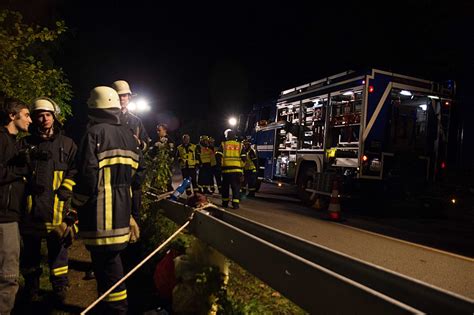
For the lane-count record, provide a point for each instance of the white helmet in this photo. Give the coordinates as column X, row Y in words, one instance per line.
column 122, row 87
column 45, row 104
column 226, row 133
column 103, row 97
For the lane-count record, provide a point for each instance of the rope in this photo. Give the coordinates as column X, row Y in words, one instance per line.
column 138, row 266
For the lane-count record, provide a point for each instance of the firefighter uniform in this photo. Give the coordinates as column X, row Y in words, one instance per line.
column 48, row 199
column 187, row 163
column 204, row 154
column 231, row 158
column 110, row 165
column 250, row 171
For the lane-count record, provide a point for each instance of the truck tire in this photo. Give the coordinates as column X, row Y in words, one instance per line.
column 305, row 180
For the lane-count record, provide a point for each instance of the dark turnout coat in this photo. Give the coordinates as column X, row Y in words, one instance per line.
column 110, row 166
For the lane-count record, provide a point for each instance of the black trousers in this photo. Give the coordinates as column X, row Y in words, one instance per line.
column 232, row 181
column 205, row 180
column 217, row 174
column 31, row 259
column 250, row 180
column 107, row 266
column 190, row 172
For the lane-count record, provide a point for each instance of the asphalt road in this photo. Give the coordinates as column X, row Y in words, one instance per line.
column 375, row 239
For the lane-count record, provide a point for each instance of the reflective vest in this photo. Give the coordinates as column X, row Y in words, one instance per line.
column 232, row 157
column 205, row 154
column 187, row 155
column 250, row 160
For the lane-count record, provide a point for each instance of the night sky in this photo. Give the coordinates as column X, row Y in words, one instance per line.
column 199, row 63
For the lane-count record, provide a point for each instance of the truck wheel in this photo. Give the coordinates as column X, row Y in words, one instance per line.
column 305, row 180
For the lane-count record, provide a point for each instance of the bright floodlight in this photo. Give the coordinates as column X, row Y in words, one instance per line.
column 406, row 93
column 347, row 93
column 132, row 106
column 232, row 121
column 139, row 106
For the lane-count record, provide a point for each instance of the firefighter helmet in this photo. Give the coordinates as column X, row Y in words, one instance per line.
column 203, row 138
column 229, row 134
column 122, row 87
column 103, row 97
column 45, row 104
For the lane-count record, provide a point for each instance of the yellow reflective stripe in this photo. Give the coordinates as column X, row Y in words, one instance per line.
column 107, row 240
column 118, row 160
column 233, row 170
column 29, row 203
column 58, row 205
column 116, row 296
column 59, row 271
column 235, row 200
column 57, row 180
column 108, row 199
column 225, row 199
column 68, row 184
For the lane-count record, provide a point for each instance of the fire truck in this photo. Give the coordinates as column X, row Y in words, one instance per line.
column 364, row 130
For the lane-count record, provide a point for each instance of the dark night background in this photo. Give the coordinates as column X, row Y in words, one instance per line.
column 199, row 63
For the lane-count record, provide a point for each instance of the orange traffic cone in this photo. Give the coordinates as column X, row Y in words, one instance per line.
column 334, row 209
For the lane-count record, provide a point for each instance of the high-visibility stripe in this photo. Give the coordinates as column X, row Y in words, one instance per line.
column 59, row 271
column 58, row 205
column 118, row 160
column 29, row 203
column 235, row 200
column 107, row 240
column 232, row 170
column 68, row 184
column 225, row 199
column 104, row 233
column 116, row 296
column 118, row 152
column 108, row 199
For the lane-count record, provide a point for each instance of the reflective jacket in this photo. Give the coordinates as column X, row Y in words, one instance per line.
column 203, row 154
column 187, row 156
column 250, row 160
column 231, row 157
column 12, row 180
column 110, row 165
column 134, row 123
column 53, row 165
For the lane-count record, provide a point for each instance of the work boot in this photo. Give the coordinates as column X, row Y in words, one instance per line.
column 31, row 289
column 59, row 295
column 225, row 204
column 235, row 205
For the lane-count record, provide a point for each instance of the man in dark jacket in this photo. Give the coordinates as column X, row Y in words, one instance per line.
column 110, row 165
column 15, row 117
column 52, row 162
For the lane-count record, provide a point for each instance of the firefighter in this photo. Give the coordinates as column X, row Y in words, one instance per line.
column 15, row 117
column 110, row 165
column 135, row 125
column 230, row 157
column 52, row 160
column 250, row 169
column 203, row 153
column 216, row 170
column 186, row 154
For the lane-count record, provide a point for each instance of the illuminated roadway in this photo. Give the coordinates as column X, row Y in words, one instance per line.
column 449, row 271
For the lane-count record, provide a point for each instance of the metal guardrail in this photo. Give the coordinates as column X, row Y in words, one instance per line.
column 317, row 278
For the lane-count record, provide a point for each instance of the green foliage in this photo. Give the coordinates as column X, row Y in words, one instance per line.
column 22, row 74
column 159, row 161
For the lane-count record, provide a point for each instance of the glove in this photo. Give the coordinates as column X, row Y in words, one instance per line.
column 63, row 194
column 63, row 234
column 134, row 230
